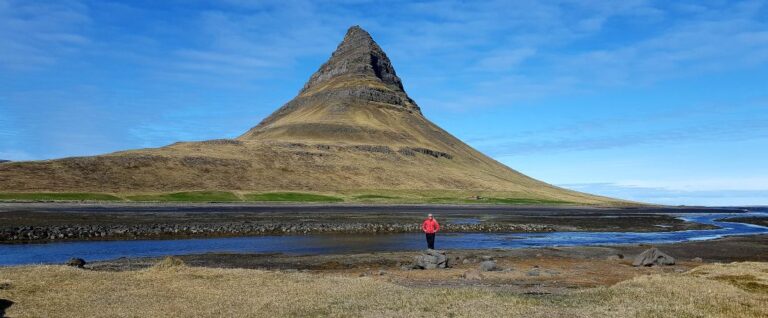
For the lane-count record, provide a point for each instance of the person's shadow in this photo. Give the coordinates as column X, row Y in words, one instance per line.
column 4, row 304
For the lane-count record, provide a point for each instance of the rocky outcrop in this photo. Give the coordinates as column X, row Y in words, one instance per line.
column 653, row 256
column 431, row 259
column 488, row 266
column 358, row 72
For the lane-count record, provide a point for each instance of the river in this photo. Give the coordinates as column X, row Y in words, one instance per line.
column 59, row 252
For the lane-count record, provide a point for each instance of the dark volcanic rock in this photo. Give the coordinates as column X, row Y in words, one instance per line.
column 357, row 54
column 160, row 230
column 76, row 262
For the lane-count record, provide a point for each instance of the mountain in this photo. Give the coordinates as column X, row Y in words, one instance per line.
column 352, row 128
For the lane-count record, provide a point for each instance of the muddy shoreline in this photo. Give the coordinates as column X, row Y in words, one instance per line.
column 535, row 271
column 47, row 222
column 728, row 249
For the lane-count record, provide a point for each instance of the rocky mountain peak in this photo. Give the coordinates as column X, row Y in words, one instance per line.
column 358, row 55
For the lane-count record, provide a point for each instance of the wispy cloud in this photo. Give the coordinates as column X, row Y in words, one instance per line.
column 36, row 33
column 680, row 125
column 575, row 50
column 662, row 195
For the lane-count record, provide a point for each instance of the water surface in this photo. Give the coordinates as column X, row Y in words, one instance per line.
column 59, row 252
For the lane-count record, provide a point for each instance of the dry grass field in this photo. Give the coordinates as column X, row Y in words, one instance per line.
column 174, row 290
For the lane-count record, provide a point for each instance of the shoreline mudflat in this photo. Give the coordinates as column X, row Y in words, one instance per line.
column 523, row 270
column 43, row 222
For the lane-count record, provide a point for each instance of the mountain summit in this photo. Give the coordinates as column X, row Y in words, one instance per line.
column 358, row 75
column 357, row 56
column 351, row 129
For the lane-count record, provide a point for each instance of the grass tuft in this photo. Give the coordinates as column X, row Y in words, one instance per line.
column 169, row 263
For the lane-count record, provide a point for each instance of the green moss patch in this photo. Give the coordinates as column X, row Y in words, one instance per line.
column 192, row 196
column 496, row 201
column 373, row 196
column 291, row 197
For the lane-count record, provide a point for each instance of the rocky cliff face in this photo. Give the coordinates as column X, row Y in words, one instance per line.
column 357, row 55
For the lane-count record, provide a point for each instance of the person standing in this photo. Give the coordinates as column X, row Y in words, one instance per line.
column 430, row 227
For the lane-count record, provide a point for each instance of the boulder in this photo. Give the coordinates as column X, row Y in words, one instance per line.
column 431, row 259
column 653, row 256
column 76, row 262
column 488, row 266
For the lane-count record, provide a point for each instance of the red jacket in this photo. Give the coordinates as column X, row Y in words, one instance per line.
column 430, row 226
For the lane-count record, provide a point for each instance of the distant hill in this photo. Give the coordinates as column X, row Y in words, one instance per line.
column 352, row 127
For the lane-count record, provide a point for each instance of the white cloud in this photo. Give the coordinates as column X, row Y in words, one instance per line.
column 505, row 59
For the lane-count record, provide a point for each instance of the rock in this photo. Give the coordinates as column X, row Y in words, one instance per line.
column 488, row 266
column 487, row 258
column 615, row 258
column 5, row 284
column 698, row 260
column 76, row 262
column 382, row 272
column 533, row 272
column 466, row 261
column 653, row 256
column 431, row 259
column 472, row 275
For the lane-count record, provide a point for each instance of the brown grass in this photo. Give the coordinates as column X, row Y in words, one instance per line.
column 48, row 291
column 319, row 147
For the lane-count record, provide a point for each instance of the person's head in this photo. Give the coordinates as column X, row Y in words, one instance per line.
column 429, row 216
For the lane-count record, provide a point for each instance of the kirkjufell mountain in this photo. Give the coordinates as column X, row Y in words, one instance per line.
column 352, row 127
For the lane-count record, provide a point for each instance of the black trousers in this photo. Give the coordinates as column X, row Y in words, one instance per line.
column 431, row 240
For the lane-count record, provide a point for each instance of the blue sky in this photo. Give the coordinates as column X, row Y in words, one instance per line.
column 657, row 101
